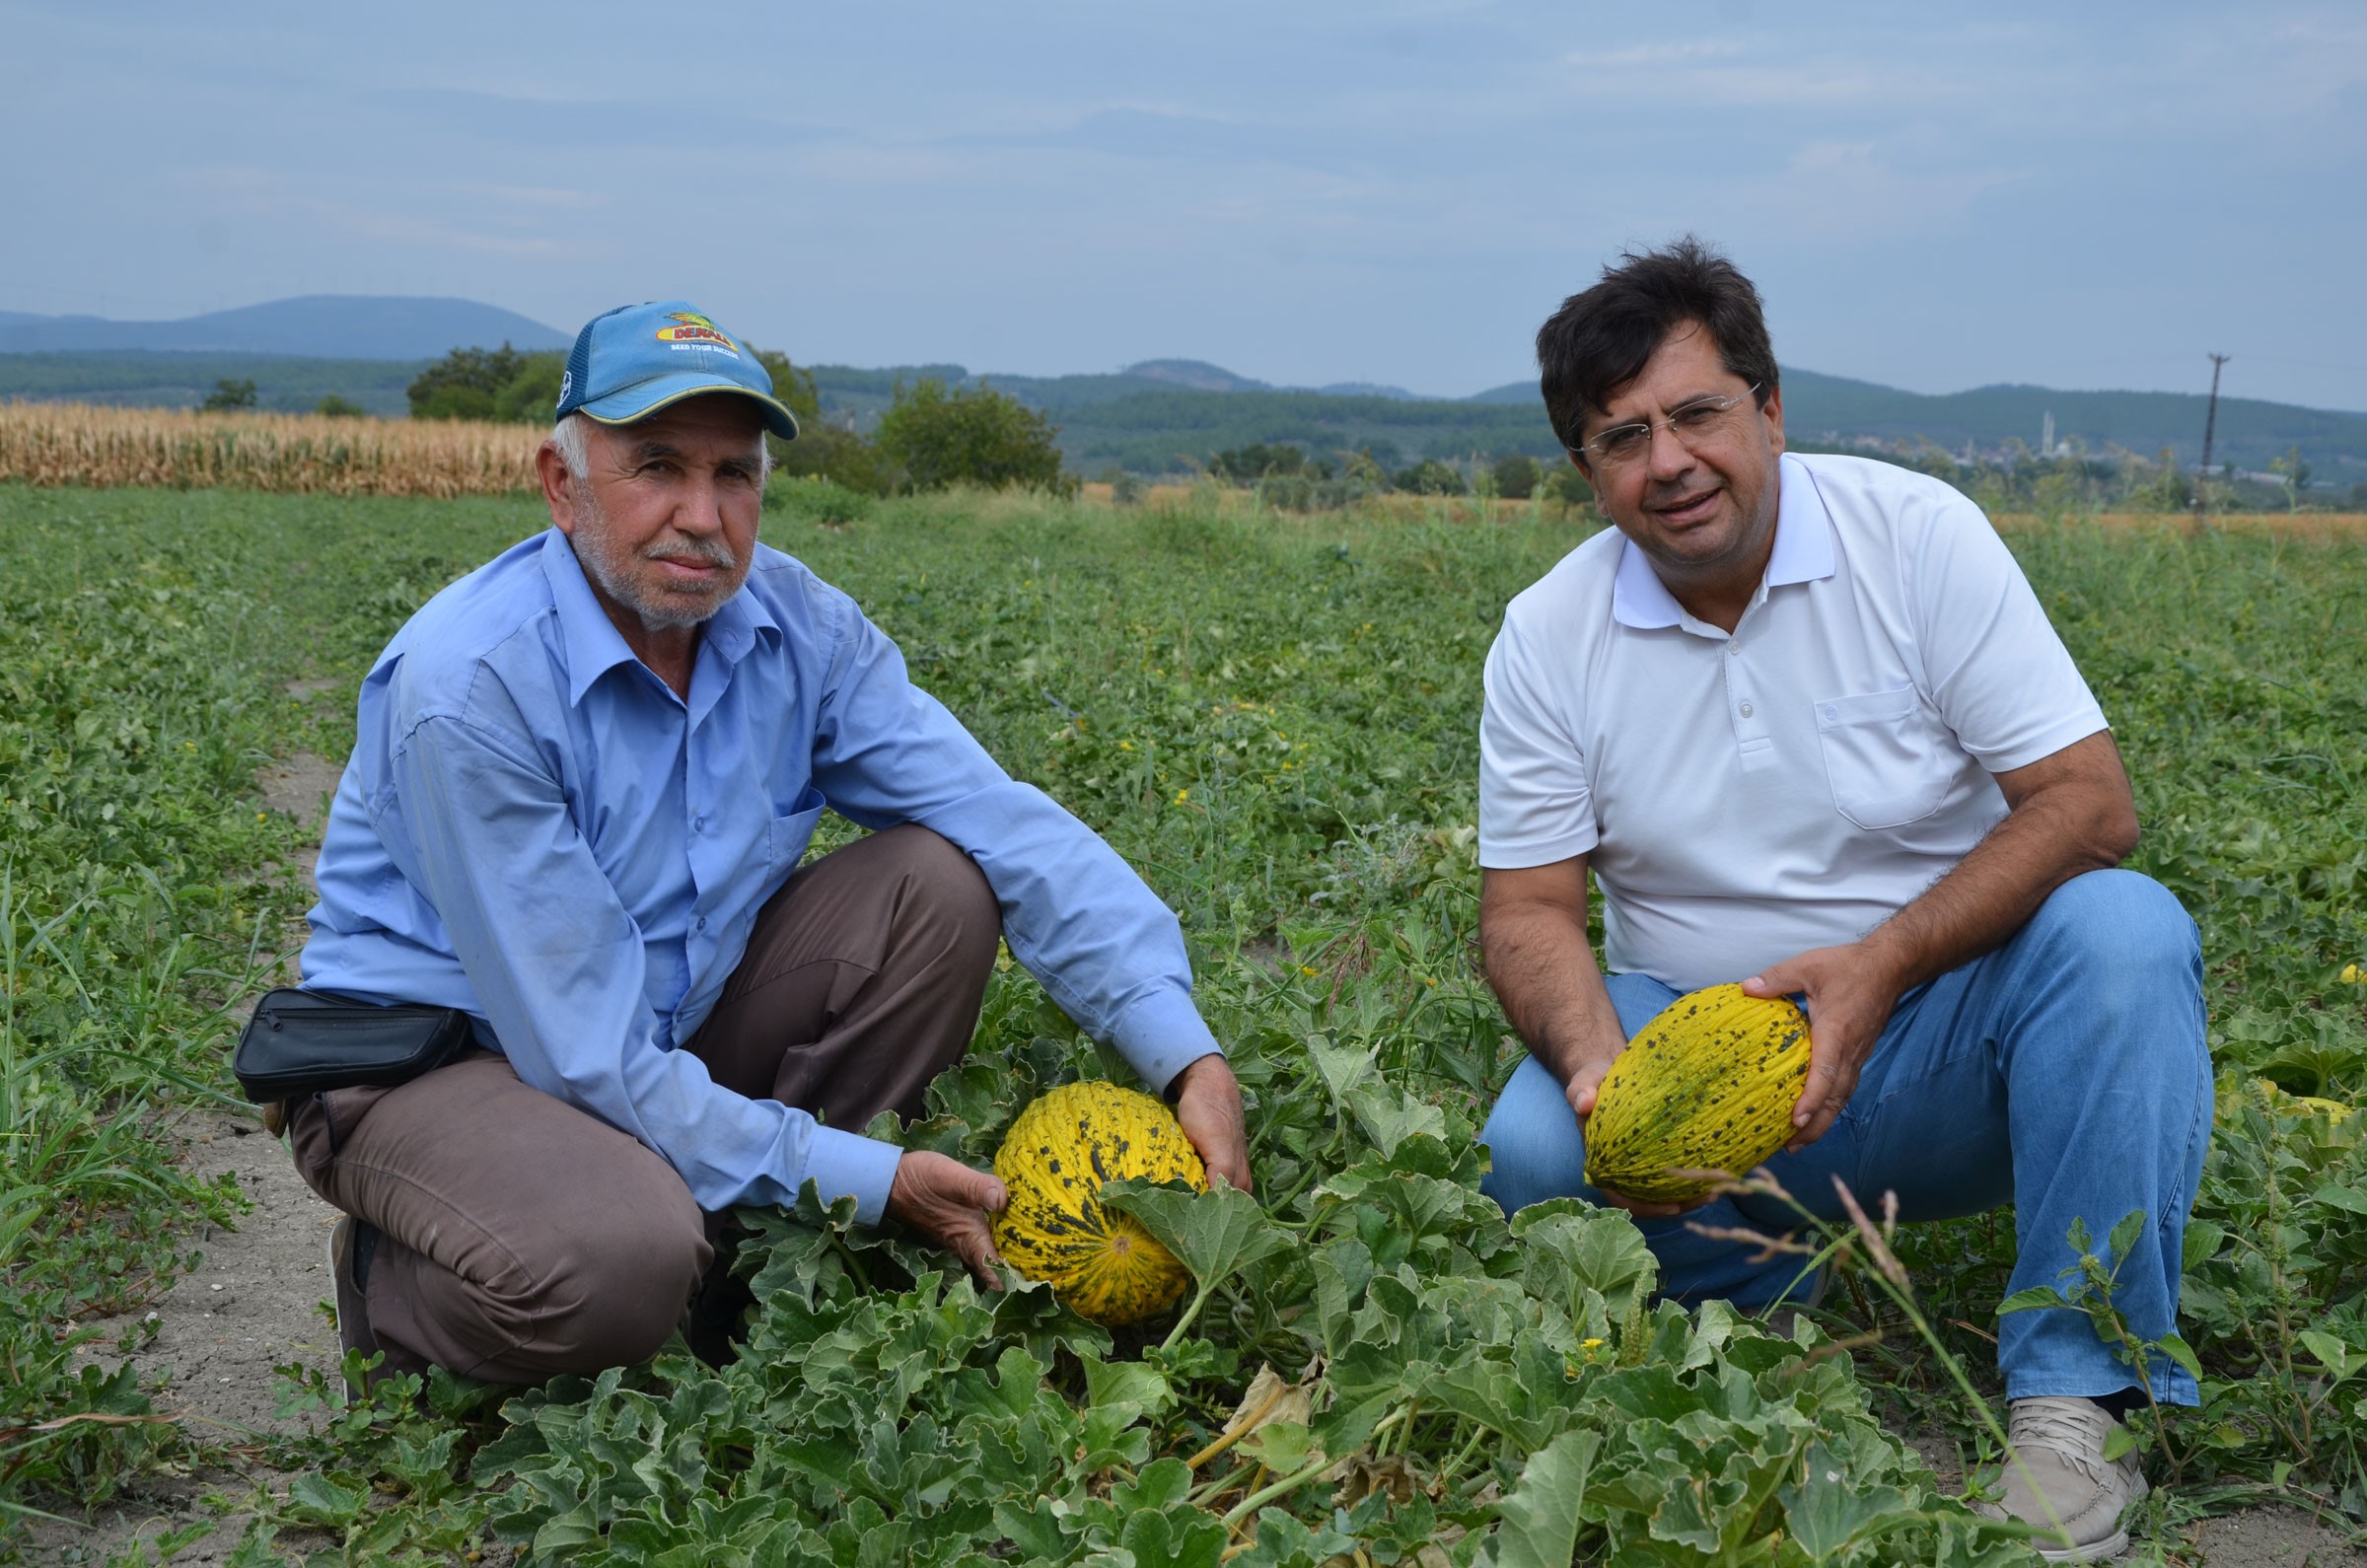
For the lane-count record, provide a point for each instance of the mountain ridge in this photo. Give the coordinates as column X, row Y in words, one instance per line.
column 306, row 327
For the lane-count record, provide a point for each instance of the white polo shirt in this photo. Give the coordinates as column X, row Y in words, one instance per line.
column 1743, row 799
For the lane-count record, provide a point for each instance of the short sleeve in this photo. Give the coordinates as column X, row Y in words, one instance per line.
column 1536, row 807
column 1992, row 661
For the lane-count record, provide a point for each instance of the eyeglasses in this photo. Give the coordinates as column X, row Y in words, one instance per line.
column 1695, row 421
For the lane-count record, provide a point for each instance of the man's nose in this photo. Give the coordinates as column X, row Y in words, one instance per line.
column 699, row 509
column 1670, row 457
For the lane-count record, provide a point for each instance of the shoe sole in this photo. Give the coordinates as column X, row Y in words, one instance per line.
column 2107, row 1549
column 2104, row 1551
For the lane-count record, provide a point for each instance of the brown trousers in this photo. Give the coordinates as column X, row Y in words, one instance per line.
column 521, row 1237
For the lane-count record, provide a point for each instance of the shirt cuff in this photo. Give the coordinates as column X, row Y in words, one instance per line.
column 843, row 1163
column 1162, row 1034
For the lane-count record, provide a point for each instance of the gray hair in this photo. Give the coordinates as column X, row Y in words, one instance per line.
column 571, row 438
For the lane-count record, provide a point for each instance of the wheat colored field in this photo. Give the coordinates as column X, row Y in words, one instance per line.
column 53, row 444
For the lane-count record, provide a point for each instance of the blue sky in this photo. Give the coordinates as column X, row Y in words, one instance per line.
column 1934, row 196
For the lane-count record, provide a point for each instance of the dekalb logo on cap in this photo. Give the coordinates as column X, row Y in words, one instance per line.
column 695, row 331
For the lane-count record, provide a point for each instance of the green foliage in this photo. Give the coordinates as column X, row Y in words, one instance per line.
column 495, row 384
column 1517, row 476
column 333, row 406
column 941, row 436
column 229, row 394
column 1431, row 476
column 1260, row 460
column 1272, row 717
column 1568, row 486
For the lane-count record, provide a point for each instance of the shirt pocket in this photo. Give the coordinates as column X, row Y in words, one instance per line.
column 792, row 832
column 1886, row 763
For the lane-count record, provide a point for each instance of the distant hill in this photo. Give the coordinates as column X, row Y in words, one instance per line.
column 284, row 383
column 1159, row 415
column 313, row 327
column 1163, row 415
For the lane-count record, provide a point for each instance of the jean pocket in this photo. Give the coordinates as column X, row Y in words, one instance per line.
column 1886, row 761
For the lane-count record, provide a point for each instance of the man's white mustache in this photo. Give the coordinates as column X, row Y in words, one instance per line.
column 713, row 552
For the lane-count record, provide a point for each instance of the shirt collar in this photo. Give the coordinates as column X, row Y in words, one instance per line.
column 594, row 646
column 1802, row 554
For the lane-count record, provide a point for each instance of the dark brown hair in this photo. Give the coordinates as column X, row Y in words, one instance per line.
column 1598, row 340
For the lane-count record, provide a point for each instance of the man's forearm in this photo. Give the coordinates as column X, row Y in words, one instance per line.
column 2052, row 835
column 1544, row 974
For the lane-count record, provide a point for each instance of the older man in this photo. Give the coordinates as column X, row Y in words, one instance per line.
column 1809, row 728
column 584, row 779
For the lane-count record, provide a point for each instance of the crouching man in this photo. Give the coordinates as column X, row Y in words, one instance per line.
column 1807, row 725
column 584, row 778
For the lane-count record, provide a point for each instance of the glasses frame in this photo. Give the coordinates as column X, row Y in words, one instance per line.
column 1592, row 451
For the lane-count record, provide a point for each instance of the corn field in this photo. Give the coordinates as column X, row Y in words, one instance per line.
column 53, row 444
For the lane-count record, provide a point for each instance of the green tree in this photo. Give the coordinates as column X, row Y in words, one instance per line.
column 530, row 397
column 792, row 385
column 1568, row 486
column 465, row 383
column 940, row 436
column 1515, row 476
column 1257, row 460
column 2160, row 487
column 2292, row 476
column 229, row 394
column 1431, row 476
column 825, row 448
column 336, row 408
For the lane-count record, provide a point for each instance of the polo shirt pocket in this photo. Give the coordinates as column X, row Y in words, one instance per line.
column 1885, row 762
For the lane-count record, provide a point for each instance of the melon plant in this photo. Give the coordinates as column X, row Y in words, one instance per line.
column 1100, row 1264
column 1707, row 1085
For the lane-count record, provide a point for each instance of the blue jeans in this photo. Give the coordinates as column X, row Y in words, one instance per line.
column 2066, row 1072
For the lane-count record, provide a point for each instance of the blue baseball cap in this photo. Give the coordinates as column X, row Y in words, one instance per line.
column 637, row 359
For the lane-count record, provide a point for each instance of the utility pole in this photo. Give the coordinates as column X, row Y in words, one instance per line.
column 2210, row 427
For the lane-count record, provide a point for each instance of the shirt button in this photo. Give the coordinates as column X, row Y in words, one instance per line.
column 703, row 923
column 1745, row 710
column 1731, row 649
column 1831, row 713
column 698, row 824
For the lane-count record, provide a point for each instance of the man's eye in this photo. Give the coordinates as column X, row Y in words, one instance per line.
column 1701, row 416
column 1619, row 440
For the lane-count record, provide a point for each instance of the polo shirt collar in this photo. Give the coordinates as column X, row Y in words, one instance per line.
column 1802, row 554
column 593, row 645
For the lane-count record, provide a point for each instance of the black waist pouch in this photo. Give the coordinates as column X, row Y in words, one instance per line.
column 304, row 1043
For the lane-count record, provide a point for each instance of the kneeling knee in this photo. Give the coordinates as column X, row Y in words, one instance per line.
column 612, row 1299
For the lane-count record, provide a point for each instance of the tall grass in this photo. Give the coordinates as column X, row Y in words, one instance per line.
column 57, row 444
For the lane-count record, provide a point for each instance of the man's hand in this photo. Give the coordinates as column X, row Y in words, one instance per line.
column 1208, row 1105
column 947, row 1201
column 1851, row 992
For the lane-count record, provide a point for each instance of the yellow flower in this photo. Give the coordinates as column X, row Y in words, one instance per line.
column 1125, row 746
column 2354, row 976
column 1182, row 796
column 1308, row 969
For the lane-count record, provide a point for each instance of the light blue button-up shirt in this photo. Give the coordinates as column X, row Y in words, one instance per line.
column 534, row 829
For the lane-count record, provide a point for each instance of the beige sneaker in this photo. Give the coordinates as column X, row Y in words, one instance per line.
column 2071, row 1493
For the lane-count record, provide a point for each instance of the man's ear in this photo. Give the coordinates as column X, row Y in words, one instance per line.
column 559, row 486
column 1772, row 413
